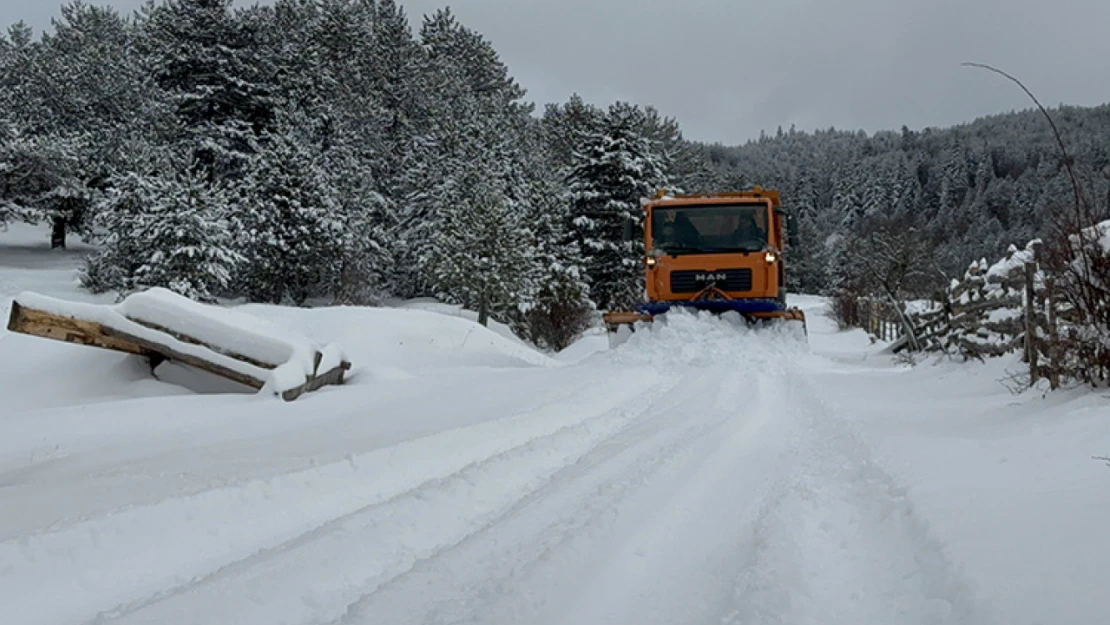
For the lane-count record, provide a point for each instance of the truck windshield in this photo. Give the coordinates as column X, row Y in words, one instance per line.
column 709, row 228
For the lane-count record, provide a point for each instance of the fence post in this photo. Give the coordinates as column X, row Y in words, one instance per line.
column 1053, row 335
column 876, row 314
column 882, row 320
column 1030, row 321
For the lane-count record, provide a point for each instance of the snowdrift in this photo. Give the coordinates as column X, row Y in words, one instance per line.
column 164, row 326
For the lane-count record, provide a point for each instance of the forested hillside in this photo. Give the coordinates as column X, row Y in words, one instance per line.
column 964, row 193
column 327, row 150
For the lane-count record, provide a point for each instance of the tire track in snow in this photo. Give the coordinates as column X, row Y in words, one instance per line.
column 607, row 517
column 682, row 538
column 841, row 543
column 225, row 526
column 378, row 535
column 105, row 461
column 493, row 575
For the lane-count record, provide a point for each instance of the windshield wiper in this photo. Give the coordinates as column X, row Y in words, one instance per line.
column 675, row 250
column 732, row 250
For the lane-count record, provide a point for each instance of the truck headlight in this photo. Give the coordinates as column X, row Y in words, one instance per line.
column 649, row 261
column 770, row 257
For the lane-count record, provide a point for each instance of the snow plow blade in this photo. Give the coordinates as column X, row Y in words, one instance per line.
column 621, row 324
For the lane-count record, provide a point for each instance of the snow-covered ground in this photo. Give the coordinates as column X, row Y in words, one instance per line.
column 699, row 473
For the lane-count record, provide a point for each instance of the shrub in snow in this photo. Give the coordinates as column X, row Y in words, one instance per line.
column 1080, row 260
column 561, row 310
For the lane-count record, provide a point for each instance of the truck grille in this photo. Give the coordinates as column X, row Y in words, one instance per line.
column 692, row 281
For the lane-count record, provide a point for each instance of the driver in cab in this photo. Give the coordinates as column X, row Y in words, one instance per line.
column 677, row 231
column 747, row 232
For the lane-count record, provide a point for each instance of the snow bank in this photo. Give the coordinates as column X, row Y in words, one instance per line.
column 593, row 342
column 400, row 343
column 454, row 310
column 1007, row 482
column 282, row 360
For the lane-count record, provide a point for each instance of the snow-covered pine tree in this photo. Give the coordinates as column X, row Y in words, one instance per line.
column 685, row 167
column 806, row 263
column 23, row 104
column 326, row 56
column 473, row 106
column 615, row 168
column 40, row 182
column 290, row 45
column 422, row 188
column 394, row 81
column 369, row 221
column 166, row 227
column 565, row 124
column 291, row 229
column 97, row 96
column 561, row 309
column 207, row 62
column 95, row 83
column 482, row 255
column 342, row 47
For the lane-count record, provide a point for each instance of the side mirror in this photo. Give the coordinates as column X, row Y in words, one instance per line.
column 626, row 234
column 792, row 231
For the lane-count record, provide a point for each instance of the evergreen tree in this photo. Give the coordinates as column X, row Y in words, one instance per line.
column 164, row 230
column 564, row 125
column 23, row 104
column 40, row 181
column 292, row 231
column 561, row 309
column 95, row 83
column 394, row 79
column 615, row 168
column 474, row 108
column 369, row 223
column 208, row 64
column 482, row 255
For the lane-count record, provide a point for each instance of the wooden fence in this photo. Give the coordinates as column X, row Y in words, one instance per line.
column 991, row 312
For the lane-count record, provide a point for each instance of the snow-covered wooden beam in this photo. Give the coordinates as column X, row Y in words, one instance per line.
column 161, row 325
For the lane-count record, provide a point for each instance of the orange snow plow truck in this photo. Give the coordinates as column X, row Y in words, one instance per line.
column 718, row 252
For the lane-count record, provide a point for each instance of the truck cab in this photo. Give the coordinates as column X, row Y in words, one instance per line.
column 718, row 252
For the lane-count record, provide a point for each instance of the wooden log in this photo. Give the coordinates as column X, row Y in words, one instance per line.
column 188, row 339
column 48, row 325
column 332, row 376
column 44, row 324
column 986, row 305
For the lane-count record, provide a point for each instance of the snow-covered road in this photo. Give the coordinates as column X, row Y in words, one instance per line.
column 692, row 476
column 701, row 473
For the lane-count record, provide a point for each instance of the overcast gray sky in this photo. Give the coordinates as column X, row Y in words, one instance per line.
column 730, row 68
